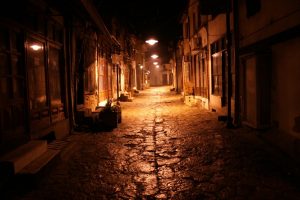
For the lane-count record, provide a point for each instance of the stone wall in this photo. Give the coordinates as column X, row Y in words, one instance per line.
column 90, row 101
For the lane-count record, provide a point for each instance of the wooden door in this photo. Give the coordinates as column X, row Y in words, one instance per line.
column 12, row 89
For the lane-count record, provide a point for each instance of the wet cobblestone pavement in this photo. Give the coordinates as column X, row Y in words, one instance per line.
column 164, row 149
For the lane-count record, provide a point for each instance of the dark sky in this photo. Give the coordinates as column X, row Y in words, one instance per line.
column 159, row 18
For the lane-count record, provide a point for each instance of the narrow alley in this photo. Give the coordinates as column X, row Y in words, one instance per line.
column 164, row 149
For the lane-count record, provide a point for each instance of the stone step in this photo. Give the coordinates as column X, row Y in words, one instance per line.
column 13, row 162
column 38, row 164
column 66, row 147
column 58, row 144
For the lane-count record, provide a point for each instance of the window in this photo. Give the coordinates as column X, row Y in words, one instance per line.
column 218, row 61
column 56, row 82
column 103, row 80
column 36, row 74
column 195, row 28
column 109, row 70
column 217, row 74
column 253, row 7
column 203, row 78
column 90, row 79
column 186, row 30
column 55, row 76
column 12, row 80
column 54, row 32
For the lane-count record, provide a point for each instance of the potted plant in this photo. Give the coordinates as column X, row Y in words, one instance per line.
column 109, row 115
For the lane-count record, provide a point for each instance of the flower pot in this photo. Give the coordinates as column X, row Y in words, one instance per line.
column 109, row 120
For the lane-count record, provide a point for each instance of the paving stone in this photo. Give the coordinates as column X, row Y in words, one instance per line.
column 164, row 149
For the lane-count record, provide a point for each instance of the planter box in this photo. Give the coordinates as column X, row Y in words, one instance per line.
column 108, row 120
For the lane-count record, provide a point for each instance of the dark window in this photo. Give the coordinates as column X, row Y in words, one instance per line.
column 187, row 30
column 117, row 34
column 253, row 7
column 217, row 73
column 195, row 23
column 203, row 78
column 12, row 109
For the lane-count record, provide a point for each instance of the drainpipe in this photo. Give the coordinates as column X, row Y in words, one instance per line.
column 237, row 62
column 229, row 44
column 117, row 69
column 176, row 70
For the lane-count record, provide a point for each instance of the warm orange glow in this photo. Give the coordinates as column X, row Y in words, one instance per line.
column 157, row 66
column 35, row 47
column 154, row 56
column 141, row 66
column 102, row 103
column 155, row 63
column 151, row 41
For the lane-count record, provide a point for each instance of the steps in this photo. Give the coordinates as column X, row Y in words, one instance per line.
column 32, row 157
column 126, row 98
column 25, row 167
column 13, row 162
column 38, row 164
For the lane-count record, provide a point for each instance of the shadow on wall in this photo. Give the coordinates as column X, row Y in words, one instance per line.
column 296, row 126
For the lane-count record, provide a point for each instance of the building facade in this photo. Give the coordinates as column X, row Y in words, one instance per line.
column 34, row 90
column 269, row 69
column 58, row 63
column 245, row 53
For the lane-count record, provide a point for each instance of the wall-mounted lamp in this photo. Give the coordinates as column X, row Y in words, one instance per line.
column 35, row 47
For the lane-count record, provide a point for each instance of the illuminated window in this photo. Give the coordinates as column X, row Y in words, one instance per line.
column 36, row 75
column 55, row 78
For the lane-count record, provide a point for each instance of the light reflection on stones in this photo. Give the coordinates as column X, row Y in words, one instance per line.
column 170, row 161
column 165, row 172
column 143, row 166
column 149, row 183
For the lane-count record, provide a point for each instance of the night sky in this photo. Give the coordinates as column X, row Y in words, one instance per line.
column 158, row 18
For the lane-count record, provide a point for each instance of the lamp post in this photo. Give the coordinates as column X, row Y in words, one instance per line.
column 142, row 72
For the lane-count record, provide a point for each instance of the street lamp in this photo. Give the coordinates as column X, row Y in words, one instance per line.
column 142, row 76
column 154, row 56
column 151, row 41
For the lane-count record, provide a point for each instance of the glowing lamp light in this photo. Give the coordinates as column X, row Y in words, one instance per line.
column 151, row 41
column 155, row 63
column 35, row 47
column 141, row 66
column 102, row 103
column 157, row 66
column 154, row 56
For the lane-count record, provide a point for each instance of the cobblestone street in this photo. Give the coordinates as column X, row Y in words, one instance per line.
column 164, row 149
